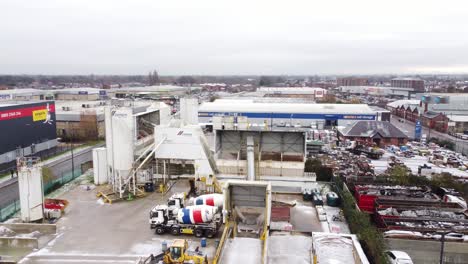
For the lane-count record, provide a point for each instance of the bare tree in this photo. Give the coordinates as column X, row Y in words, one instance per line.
column 153, row 78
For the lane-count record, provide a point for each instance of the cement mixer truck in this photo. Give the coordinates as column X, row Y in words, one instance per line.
column 198, row 220
column 213, row 199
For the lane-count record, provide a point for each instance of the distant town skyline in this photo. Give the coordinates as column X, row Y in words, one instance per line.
column 209, row 37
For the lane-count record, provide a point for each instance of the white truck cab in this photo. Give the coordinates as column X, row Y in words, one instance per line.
column 175, row 202
column 158, row 215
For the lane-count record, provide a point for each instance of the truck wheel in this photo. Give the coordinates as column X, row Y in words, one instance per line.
column 198, row 232
column 159, row 230
column 175, row 231
column 210, row 233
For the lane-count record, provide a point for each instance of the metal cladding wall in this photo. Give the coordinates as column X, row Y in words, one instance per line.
column 291, row 115
column 26, row 124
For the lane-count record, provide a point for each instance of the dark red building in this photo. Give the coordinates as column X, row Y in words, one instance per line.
column 416, row 84
column 351, row 81
column 436, row 121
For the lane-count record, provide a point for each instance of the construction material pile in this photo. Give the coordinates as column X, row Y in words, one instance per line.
column 424, row 159
column 351, row 166
column 366, row 194
column 425, row 213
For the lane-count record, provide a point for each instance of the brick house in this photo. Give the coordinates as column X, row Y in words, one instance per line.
column 409, row 112
column 407, row 109
column 412, row 113
column 380, row 133
column 436, row 121
column 400, row 111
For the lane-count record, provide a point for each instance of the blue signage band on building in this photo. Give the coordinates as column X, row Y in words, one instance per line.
column 417, row 130
column 295, row 116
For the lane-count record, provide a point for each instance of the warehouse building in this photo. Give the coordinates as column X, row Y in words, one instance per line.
column 270, row 116
column 153, row 91
column 84, row 120
column 396, row 106
column 446, row 103
column 382, row 114
column 293, row 92
column 458, row 124
column 449, row 110
column 26, row 94
column 81, row 94
column 80, row 120
column 393, row 92
column 440, row 111
column 27, row 128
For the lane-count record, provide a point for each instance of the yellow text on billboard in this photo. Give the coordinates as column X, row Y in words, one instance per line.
column 39, row 115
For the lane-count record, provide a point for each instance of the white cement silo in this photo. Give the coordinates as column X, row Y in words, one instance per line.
column 30, row 189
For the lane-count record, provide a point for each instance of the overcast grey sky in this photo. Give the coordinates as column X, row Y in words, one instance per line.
column 233, row 37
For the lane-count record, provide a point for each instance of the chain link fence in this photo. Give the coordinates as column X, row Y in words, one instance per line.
column 6, row 168
column 9, row 210
column 63, row 179
column 13, row 207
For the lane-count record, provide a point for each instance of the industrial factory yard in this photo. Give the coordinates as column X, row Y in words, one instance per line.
column 96, row 232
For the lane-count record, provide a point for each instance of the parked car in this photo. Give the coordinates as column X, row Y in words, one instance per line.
column 322, row 215
column 450, row 237
column 398, row 257
column 317, row 199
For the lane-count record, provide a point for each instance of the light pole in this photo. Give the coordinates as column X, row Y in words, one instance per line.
column 72, row 158
column 442, row 245
column 71, row 148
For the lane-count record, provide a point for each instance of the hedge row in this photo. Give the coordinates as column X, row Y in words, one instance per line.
column 360, row 224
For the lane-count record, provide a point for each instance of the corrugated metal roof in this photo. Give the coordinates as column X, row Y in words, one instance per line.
column 431, row 114
column 398, row 103
column 156, row 88
column 23, row 91
column 458, row 118
column 378, row 109
column 291, row 90
column 243, row 106
column 88, row 90
column 368, row 88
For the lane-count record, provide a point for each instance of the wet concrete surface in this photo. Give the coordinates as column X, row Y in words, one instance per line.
column 95, row 232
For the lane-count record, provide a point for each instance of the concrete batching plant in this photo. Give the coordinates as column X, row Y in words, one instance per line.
column 129, row 143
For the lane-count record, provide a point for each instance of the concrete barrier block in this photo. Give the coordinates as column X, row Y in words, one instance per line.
column 18, row 242
column 48, row 229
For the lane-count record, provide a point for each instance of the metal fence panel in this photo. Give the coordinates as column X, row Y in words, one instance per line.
column 9, row 210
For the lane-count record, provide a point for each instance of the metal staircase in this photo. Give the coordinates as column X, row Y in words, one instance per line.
column 129, row 183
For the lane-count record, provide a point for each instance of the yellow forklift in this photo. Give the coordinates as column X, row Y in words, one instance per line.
column 177, row 253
